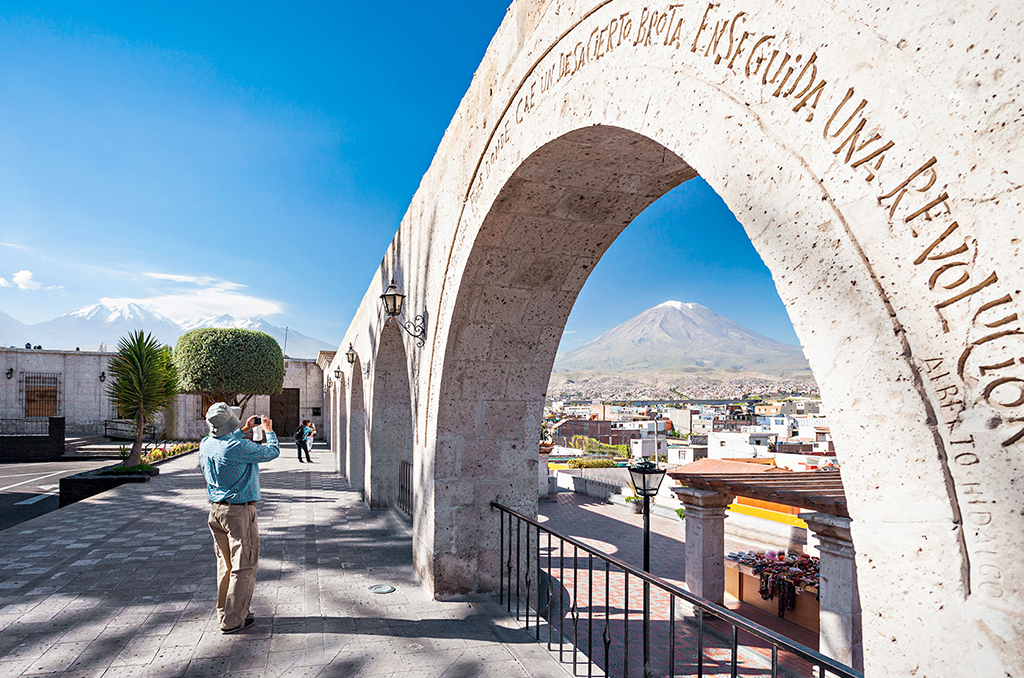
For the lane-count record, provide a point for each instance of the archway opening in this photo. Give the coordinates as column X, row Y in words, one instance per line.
column 390, row 453
column 355, row 449
column 540, row 240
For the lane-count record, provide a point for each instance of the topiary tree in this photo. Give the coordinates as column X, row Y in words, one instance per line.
column 229, row 365
column 144, row 382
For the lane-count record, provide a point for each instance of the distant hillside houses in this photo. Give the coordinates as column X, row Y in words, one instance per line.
column 794, row 432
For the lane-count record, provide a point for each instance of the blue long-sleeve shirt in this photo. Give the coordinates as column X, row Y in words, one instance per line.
column 231, row 466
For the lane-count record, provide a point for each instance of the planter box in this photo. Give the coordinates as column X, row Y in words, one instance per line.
column 81, row 485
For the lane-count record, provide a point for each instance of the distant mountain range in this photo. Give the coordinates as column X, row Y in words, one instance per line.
column 90, row 326
column 683, row 338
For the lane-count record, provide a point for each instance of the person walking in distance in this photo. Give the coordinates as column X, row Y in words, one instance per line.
column 303, row 439
column 230, row 465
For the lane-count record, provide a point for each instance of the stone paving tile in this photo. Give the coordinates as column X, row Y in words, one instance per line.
column 123, row 585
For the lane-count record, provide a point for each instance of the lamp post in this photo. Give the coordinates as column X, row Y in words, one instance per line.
column 647, row 477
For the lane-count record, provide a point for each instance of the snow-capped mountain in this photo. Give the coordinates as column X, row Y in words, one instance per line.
column 677, row 336
column 89, row 327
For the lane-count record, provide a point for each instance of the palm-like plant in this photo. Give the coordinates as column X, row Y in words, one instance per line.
column 144, row 382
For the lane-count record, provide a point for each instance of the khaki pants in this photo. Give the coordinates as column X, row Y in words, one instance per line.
column 236, row 540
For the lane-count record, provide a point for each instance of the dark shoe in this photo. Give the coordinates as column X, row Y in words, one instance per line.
column 249, row 621
column 300, row 460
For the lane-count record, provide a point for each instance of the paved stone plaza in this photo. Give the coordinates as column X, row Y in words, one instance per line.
column 122, row 584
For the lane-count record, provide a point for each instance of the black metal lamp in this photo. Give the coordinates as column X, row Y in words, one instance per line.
column 103, row 376
column 646, row 477
column 393, row 301
column 350, row 355
column 327, row 385
column 337, row 373
column 10, row 372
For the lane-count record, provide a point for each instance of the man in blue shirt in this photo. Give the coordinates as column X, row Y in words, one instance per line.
column 230, row 465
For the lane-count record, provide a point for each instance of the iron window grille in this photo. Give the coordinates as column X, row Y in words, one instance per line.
column 41, row 394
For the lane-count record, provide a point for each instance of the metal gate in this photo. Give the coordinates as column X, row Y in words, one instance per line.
column 284, row 410
column 405, row 488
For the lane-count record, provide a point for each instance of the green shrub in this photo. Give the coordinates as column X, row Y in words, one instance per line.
column 591, row 446
column 681, row 512
column 131, row 469
column 229, row 365
column 592, row 463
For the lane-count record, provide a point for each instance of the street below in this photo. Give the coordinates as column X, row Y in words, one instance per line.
column 28, row 490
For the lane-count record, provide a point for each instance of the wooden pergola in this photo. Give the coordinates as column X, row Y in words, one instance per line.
column 820, row 491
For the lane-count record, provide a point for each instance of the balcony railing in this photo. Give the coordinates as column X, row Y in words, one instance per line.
column 122, row 429
column 657, row 629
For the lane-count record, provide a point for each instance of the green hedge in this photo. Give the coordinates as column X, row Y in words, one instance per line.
column 226, row 362
column 592, row 463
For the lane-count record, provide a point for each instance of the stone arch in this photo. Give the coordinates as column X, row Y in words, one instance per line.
column 881, row 204
column 355, row 449
column 390, row 422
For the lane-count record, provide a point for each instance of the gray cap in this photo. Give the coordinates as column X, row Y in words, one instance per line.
column 223, row 419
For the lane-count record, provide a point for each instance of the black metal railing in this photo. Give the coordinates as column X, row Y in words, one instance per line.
column 123, row 429
column 405, row 488
column 541, row 581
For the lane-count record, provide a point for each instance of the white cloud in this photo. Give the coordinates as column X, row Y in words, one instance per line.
column 203, row 281
column 200, row 296
column 569, row 332
column 16, row 246
column 23, row 279
column 4, row 283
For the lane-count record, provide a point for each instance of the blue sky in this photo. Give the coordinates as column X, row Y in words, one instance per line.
column 201, row 157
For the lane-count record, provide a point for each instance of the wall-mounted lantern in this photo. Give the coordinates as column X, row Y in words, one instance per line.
column 350, row 355
column 10, row 372
column 103, row 376
column 393, row 301
column 337, row 373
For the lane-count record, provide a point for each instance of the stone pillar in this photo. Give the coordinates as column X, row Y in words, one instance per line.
column 542, row 473
column 839, row 615
column 704, row 524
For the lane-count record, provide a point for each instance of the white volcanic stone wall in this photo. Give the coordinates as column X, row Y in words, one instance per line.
column 871, row 151
column 84, row 403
